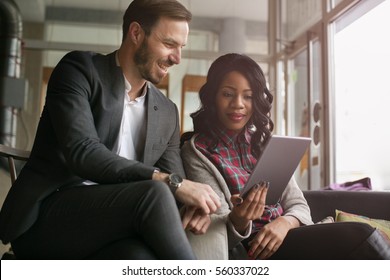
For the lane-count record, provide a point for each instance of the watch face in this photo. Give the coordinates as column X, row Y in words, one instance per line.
column 175, row 179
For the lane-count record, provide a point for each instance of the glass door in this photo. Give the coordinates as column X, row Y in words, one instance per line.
column 303, row 107
column 297, row 110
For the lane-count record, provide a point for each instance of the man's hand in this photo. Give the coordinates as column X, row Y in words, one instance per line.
column 199, row 196
column 195, row 220
column 194, row 194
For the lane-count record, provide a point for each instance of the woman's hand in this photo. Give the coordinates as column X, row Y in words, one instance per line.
column 249, row 208
column 195, row 220
column 268, row 240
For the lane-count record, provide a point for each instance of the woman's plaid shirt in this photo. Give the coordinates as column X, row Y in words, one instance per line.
column 231, row 154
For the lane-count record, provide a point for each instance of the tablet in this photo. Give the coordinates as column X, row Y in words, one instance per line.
column 277, row 165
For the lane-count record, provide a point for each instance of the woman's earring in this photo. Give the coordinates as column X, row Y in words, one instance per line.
column 252, row 128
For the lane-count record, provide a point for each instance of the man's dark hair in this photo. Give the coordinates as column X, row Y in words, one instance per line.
column 148, row 12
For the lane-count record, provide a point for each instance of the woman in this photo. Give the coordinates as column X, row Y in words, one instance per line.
column 230, row 131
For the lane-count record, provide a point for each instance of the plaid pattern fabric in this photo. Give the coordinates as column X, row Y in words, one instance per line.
column 231, row 154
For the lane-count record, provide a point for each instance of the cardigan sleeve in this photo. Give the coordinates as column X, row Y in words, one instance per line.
column 198, row 168
column 294, row 203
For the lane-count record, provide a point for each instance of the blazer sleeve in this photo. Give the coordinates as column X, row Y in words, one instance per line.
column 68, row 103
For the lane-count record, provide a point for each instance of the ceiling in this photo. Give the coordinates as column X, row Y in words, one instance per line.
column 34, row 10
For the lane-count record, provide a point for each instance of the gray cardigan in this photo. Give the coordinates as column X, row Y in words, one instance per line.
column 200, row 169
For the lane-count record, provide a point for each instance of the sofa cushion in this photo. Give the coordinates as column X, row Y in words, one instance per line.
column 382, row 225
column 373, row 204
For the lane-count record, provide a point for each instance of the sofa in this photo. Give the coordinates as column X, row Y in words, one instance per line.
column 373, row 204
column 363, row 214
column 367, row 241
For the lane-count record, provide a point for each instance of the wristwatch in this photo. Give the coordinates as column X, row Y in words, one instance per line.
column 174, row 182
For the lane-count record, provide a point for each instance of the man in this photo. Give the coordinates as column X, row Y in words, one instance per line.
column 105, row 160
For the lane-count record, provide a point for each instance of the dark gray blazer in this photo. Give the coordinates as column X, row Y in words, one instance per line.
column 76, row 134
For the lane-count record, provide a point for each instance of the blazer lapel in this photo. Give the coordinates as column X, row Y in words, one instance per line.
column 151, row 126
column 114, row 81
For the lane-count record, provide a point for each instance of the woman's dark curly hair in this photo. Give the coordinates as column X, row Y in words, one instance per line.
column 204, row 118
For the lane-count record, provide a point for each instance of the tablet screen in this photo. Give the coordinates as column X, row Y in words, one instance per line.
column 277, row 165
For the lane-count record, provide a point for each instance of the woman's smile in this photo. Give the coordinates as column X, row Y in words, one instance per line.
column 236, row 117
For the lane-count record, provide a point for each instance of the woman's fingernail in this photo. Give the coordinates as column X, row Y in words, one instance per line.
column 250, row 254
column 238, row 200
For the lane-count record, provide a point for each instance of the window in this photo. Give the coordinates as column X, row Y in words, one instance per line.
column 362, row 96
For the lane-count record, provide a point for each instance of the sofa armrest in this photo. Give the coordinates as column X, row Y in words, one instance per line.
column 373, row 204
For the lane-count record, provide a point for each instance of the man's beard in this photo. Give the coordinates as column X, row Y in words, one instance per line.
column 141, row 59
